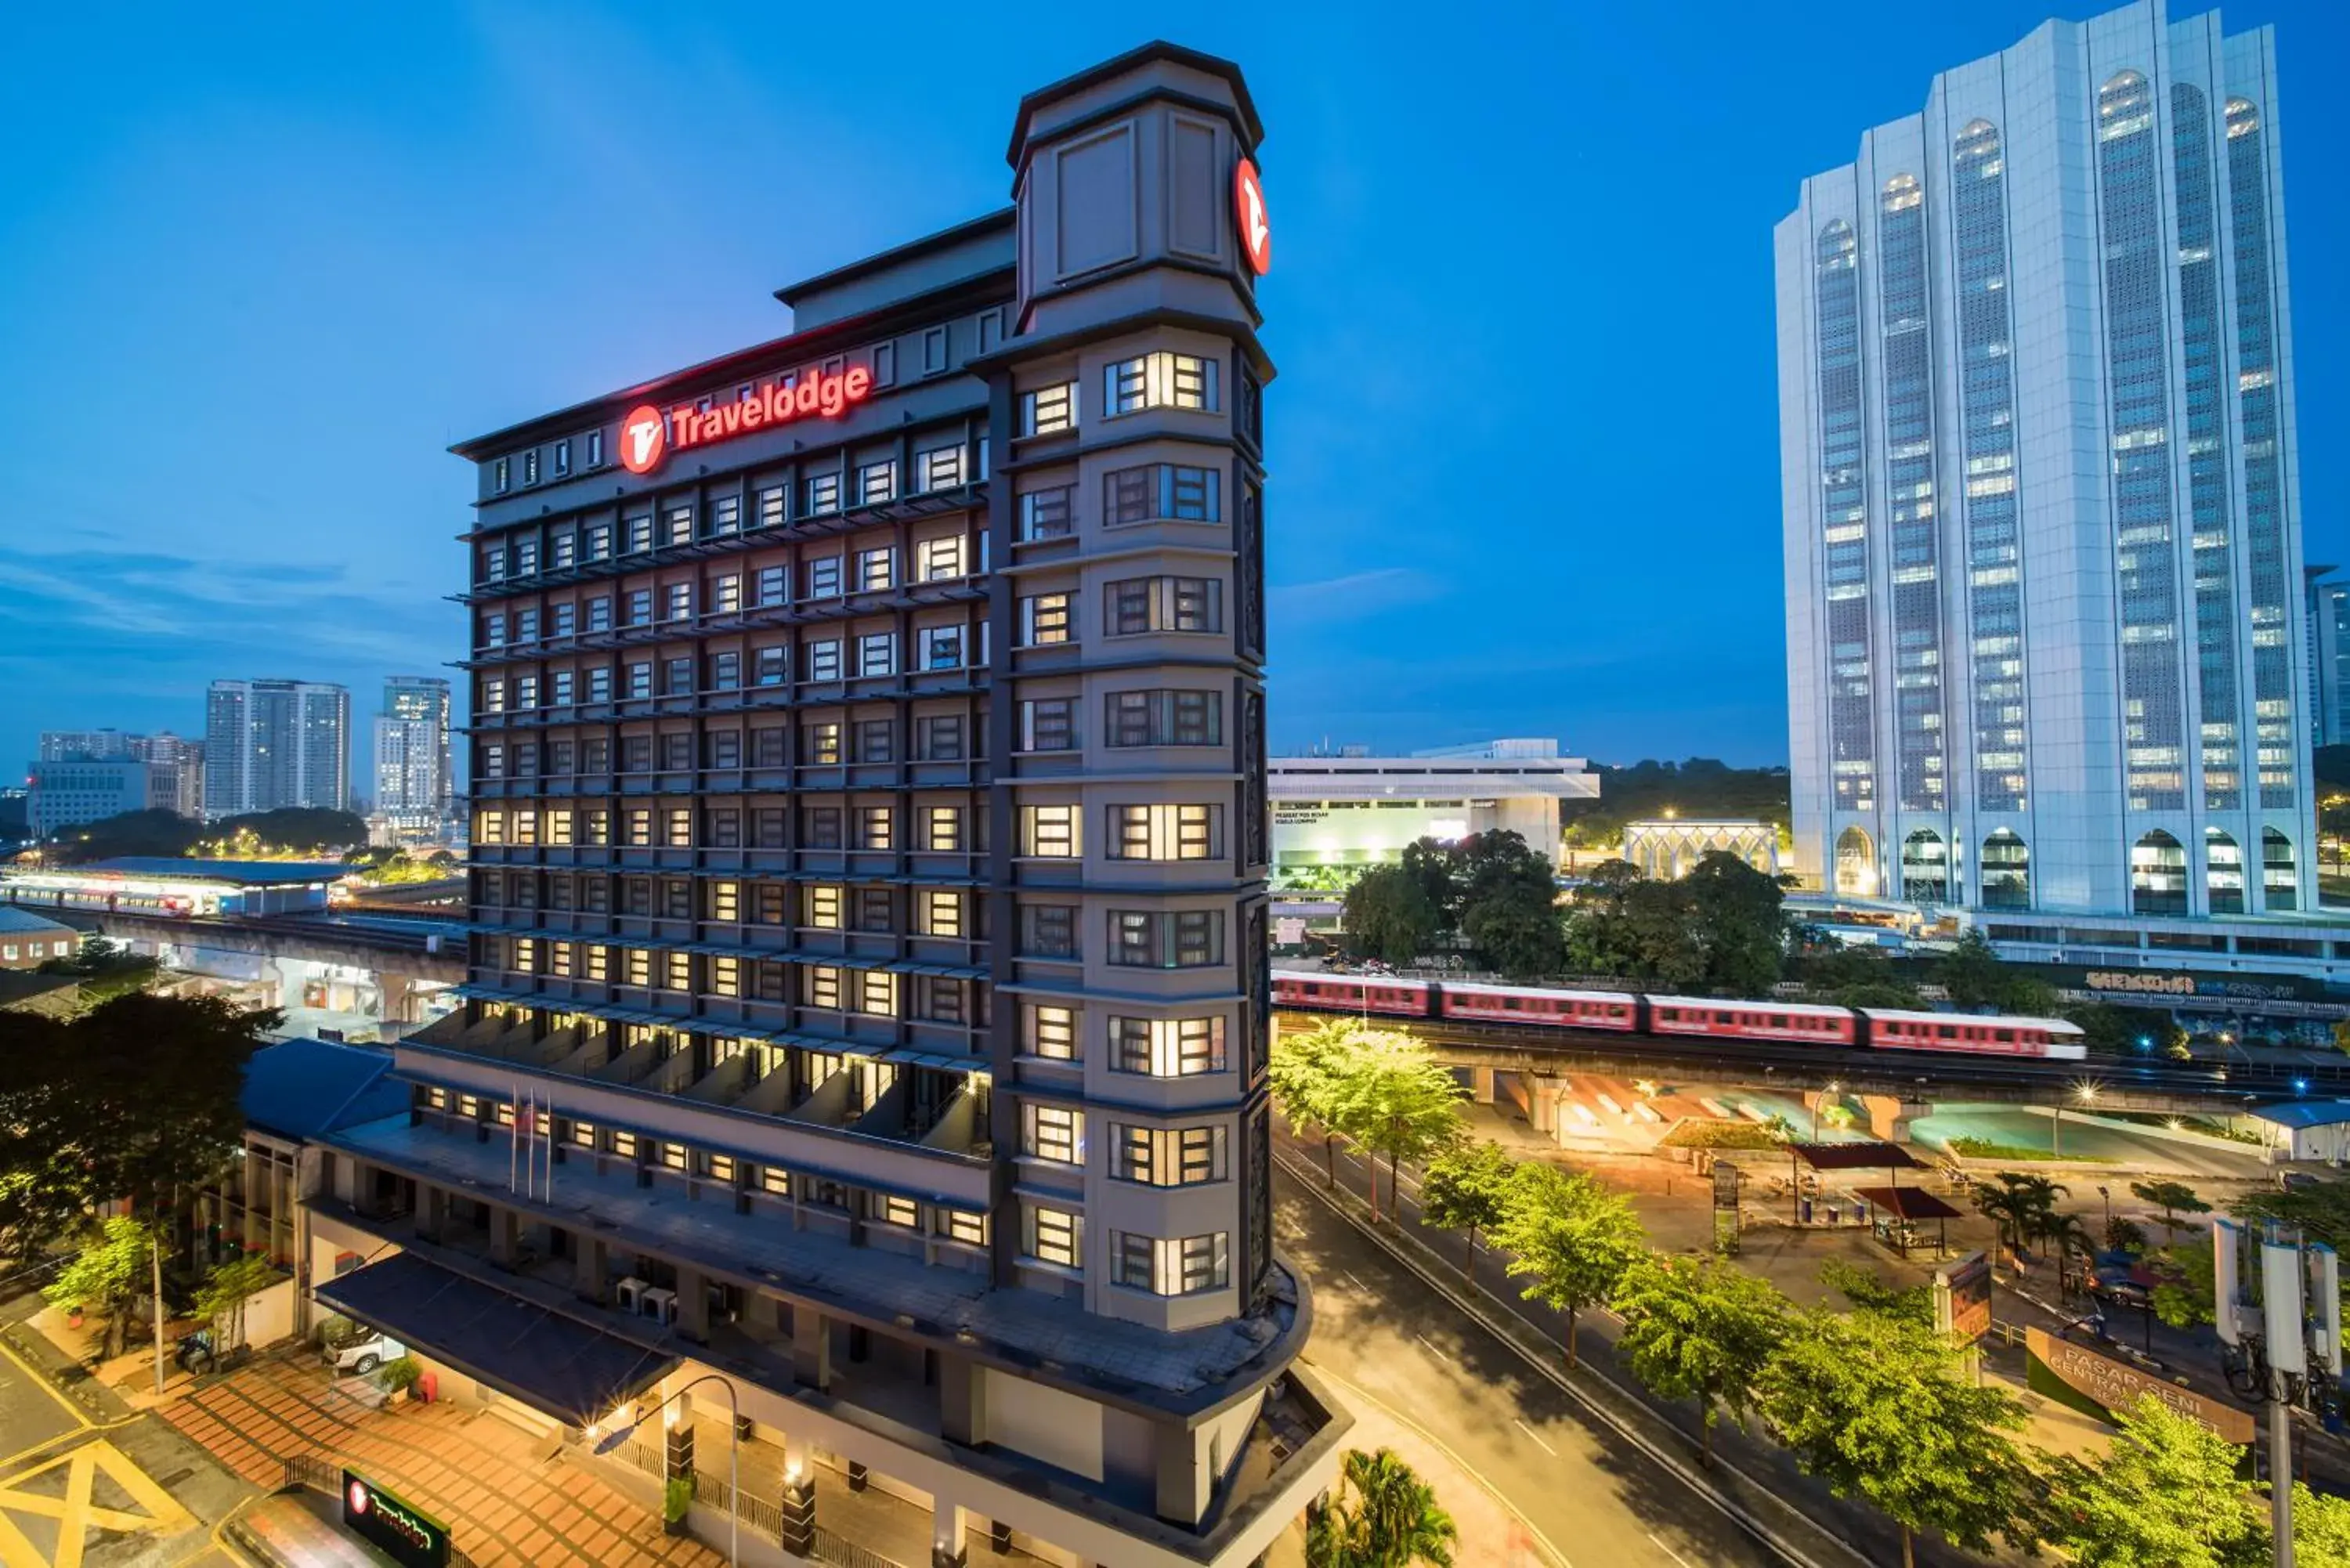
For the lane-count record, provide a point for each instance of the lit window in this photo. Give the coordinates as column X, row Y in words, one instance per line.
column 889, row 1209
column 1048, row 724
column 942, row 827
column 1049, row 411
column 1167, row 1157
column 1045, row 513
column 962, row 1225
column 1044, row 619
column 823, row 493
column 1159, row 381
column 822, row 986
column 1167, row 1048
column 943, row 912
column 1054, row 1236
column 1049, row 832
column 823, row 901
column 1163, row 832
column 1053, row 1133
column 936, row 560
column 1170, row 1267
column 877, row 482
column 1047, row 1031
column 940, row 469
column 874, row 571
column 876, row 993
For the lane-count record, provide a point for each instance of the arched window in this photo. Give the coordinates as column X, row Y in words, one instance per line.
column 1925, row 867
column 2279, row 878
column 1844, row 518
column 2138, row 368
column 1986, row 429
column 2159, row 876
column 1855, row 864
column 2006, row 872
column 2223, row 873
column 1911, row 520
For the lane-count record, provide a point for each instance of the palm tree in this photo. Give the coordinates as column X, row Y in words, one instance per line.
column 1384, row 1516
column 2008, row 1211
column 2070, row 1235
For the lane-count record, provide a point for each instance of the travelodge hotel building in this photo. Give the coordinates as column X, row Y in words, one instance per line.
column 867, row 1012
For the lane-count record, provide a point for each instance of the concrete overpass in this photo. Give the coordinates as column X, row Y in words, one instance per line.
column 391, row 962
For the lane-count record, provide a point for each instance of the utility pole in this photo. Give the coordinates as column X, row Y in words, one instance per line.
column 2283, row 1347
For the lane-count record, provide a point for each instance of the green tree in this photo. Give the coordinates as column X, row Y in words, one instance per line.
column 2186, row 1292
column 1735, row 911
column 1881, row 1409
column 1698, row 1330
column 2166, row 1495
column 1389, row 916
column 2069, row 1236
column 1430, row 862
column 1509, row 912
column 1970, row 971
column 2173, row 1199
column 109, row 1272
column 1392, row 1099
column 2321, row 1529
column 1381, row 1516
column 1912, row 1304
column 2020, row 1206
column 1572, row 1238
column 221, row 1301
column 1467, row 1188
column 2321, row 1212
column 1304, row 1073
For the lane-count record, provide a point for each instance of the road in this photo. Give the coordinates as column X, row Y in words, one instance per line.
column 2029, row 1128
column 1595, row 1499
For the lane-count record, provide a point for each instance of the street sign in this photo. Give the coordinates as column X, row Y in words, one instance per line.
column 2116, row 1384
column 1963, row 1298
column 409, row 1537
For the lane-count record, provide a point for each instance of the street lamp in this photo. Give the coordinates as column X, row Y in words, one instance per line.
column 1832, row 1086
column 612, row 1441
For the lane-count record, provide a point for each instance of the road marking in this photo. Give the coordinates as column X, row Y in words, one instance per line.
column 1538, row 1443
column 1670, row 1553
column 1433, row 1350
column 1355, row 1283
column 81, row 1420
column 1362, row 1395
column 75, row 1512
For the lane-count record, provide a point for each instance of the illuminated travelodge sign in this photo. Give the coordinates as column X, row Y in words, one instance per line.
column 1248, row 212
column 648, row 434
column 411, row 1539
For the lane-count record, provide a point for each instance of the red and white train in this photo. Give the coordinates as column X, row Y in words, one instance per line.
column 1785, row 1022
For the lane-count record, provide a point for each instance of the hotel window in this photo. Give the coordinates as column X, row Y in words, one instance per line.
column 941, row 913
column 1166, row 938
column 889, row 1209
column 639, row 968
column 1139, row 605
column 1159, row 381
column 525, row 557
column 671, row 1156
column 726, row 514
column 494, row 631
column 599, row 683
column 526, row 691
column 493, row 694
column 943, row 828
column 640, row 679
column 824, row 1194
column 773, row 585
column 1044, row 513
column 771, row 666
column 824, row 578
column 877, row 482
column 525, row 825
column 676, row 601
column 820, row 828
column 1161, row 490
column 1044, row 619
column 935, row 560
column 725, row 594
column 599, row 613
column 596, row 961
column 874, row 571
column 1049, row 411
column 771, row 507
column 1054, row 1236
column 1167, row 1048
column 637, row 607
column 563, row 620
column 876, row 741
column 525, row 624
column 562, row 458
column 639, row 527
column 680, row 834
column 822, row 905
column 1163, row 718
column 822, row 986
column 558, row 689
column 938, row 738
column 875, row 827
column 559, row 956
column 877, row 653
column 1048, row 930
column 962, row 1225
column 1164, row 831
column 1049, row 1031
column 500, row 471
column 526, row 954
column 767, row 747
column 876, row 910
column 820, row 744
column 1049, row 832
column 725, row 672
column 1167, row 1157
column 624, row 1143
column 1177, row 1267
column 1053, row 1133
column 725, row 900
column 558, row 827
column 717, row 1166
column 723, row 828
column 598, row 543
column 726, row 976
column 677, row 526
column 1048, row 724
column 774, row 1179
column 823, row 493
column 824, row 659
column 940, row 468
column 876, row 993
column 724, row 748
column 679, row 975
column 941, row 647
column 677, row 751
column 530, row 466
column 560, row 551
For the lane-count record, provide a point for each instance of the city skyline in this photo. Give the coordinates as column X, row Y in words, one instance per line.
column 1388, row 640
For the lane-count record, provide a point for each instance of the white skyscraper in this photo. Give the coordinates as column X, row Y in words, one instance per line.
column 2043, row 550
column 273, row 743
column 411, row 748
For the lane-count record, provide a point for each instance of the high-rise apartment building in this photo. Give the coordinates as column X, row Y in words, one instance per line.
column 868, row 825
column 2327, row 618
column 84, row 776
column 412, row 749
column 274, row 744
column 2043, row 513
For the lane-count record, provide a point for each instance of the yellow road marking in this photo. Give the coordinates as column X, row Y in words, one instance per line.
column 45, row 1385
column 76, row 1514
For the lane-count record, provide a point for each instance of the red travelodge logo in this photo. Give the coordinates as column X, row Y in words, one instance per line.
column 648, row 435
column 1248, row 212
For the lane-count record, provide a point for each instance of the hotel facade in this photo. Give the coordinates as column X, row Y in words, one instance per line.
column 2042, row 511
column 869, row 984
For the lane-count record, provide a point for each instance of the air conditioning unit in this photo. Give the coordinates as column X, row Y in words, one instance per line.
column 659, row 1304
column 632, row 1294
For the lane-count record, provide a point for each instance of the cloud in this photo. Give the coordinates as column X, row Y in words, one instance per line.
column 1351, row 596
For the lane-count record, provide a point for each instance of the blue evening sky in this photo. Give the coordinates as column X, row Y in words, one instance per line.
column 259, row 266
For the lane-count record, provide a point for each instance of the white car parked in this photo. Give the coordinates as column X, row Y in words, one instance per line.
column 362, row 1350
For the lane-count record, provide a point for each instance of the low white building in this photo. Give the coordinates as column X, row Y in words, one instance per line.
column 2306, row 1129
column 1339, row 813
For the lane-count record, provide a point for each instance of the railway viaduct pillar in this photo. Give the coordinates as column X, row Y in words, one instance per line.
column 1888, row 1116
